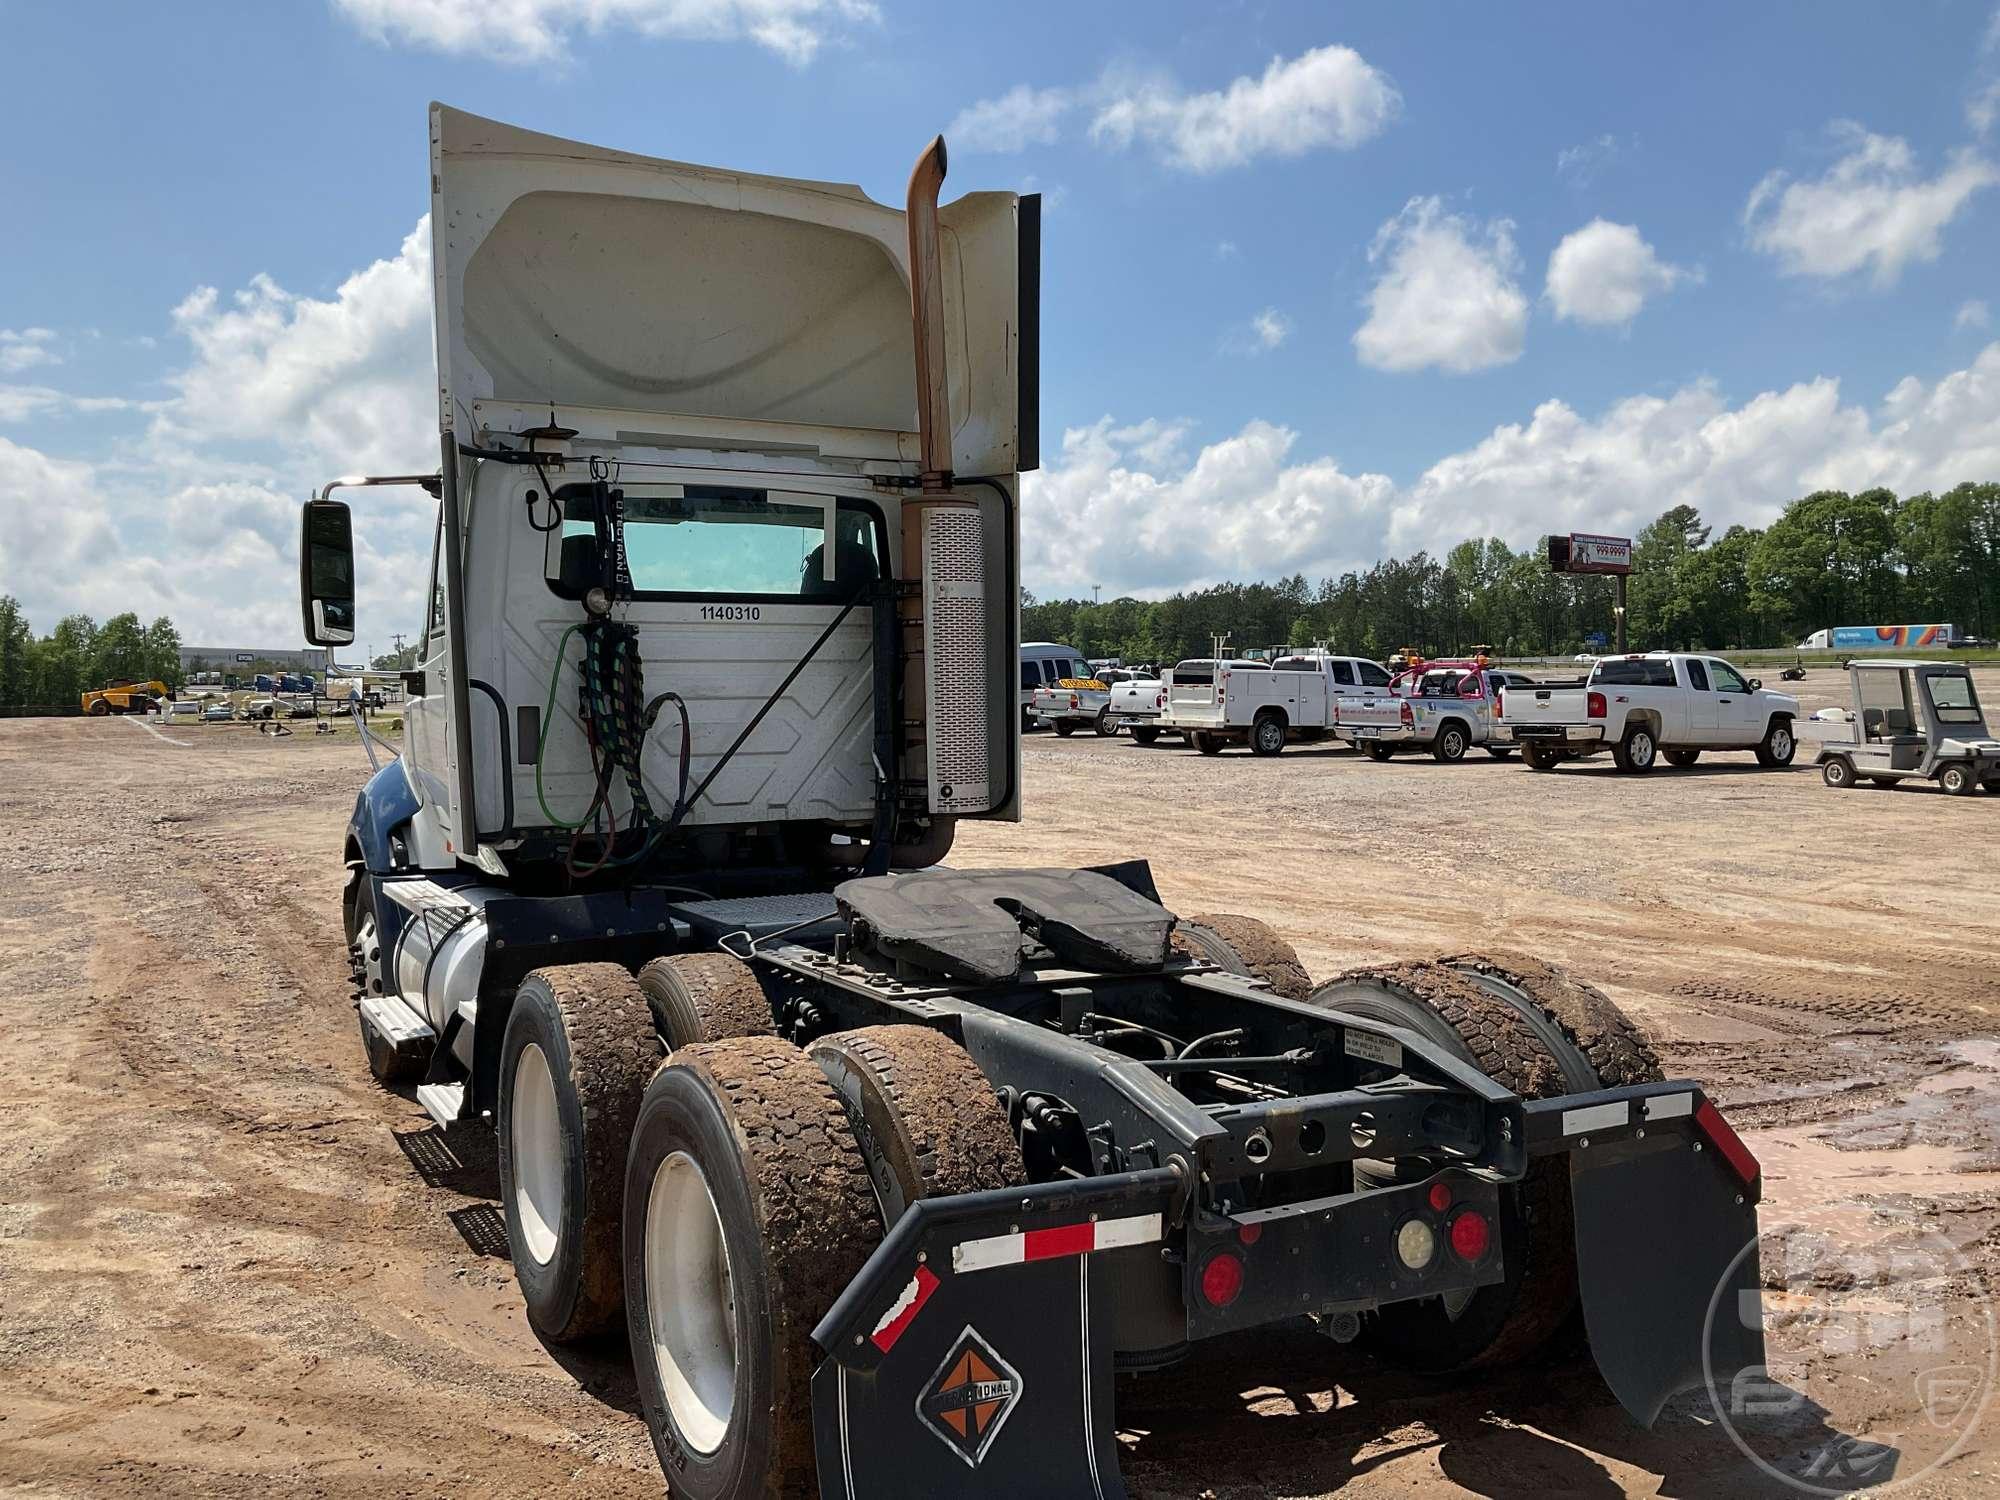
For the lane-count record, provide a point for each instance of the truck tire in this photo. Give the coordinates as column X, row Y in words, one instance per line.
column 1538, row 759
column 1515, row 1318
column 1992, row 784
column 99, row 708
column 1245, row 946
column 1205, row 742
column 705, row 997
column 1453, row 740
column 1064, row 728
column 1376, row 750
column 1144, row 734
column 928, row 1123
column 1104, row 726
column 574, row 1061
column 1779, row 744
column 1636, row 752
column 748, row 1211
column 1589, row 1019
column 1267, row 735
column 1958, row 780
column 1837, row 771
column 1682, row 758
column 1499, row 752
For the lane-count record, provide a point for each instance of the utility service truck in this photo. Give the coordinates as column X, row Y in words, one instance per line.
column 1218, row 704
column 1640, row 707
column 887, row 1168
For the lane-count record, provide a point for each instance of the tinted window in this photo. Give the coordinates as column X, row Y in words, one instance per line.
column 1296, row 664
column 1697, row 677
column 1261, row 666
column 1643, row 671
column 1371, row 674
column 1031, row 676
column 1194, row 673
column 1343, row 673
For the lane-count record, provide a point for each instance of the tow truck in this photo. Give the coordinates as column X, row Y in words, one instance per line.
column 887, row 1168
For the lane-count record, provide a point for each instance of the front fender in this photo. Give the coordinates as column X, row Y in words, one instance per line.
column 385, row 803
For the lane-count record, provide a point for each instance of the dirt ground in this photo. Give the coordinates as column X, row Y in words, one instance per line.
column 232, row 1266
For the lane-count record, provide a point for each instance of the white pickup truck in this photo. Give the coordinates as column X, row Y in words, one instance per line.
column 1640, row 707
column 1231, row 702
column 1074, row 703
column 1136, row 705
column 1443, row 707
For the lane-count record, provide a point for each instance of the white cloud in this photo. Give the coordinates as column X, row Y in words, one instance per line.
column 1872, row 210
column 541, row 31
column 23, row 403
column 1020, row 118
column 1604, row 272
column 1446, row 296
column 1124, row 507
column 1982, row 109
column 1264, row 332
column 1249, row 507
column 23, row 349
column 1972, row 314
column 346, row 381
column 1330, row 96
column 1582, row 165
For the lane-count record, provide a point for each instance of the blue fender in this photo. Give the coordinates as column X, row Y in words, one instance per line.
column 385, row 803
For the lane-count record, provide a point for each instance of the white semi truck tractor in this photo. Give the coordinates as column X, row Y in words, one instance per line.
column 886, row 1167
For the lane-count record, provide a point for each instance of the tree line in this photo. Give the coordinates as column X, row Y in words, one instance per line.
column 80, row 655
column 1831, row 559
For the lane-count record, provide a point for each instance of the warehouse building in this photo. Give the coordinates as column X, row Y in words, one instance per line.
column 247, row 660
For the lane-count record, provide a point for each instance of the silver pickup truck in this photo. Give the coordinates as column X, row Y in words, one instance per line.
column 1443, row 707
column 1074, row 703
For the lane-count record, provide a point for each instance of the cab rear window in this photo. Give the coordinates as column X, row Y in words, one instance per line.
column 1644, row 671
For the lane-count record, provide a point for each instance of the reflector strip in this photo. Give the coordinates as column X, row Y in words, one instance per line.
column 1596, row 1117
column 1708, row 1120
column 1060, row 1240
column 1669, row 1106
column 896, row 1321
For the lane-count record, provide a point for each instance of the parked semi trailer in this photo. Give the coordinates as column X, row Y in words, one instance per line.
column 888, row 1168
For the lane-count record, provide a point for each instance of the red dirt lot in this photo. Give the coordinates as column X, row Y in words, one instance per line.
column 230, row 1265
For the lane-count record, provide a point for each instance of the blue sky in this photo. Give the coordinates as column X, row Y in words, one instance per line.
column 1299, row 301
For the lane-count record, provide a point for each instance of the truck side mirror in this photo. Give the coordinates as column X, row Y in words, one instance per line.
column 1756, row 683
column 326, row 573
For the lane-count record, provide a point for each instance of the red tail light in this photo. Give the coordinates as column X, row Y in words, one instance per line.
column 1594, row 705
column 1074, row 701
column 1159, row 700
column 1409, row 716
column 1470, row 1235
column 1222, row 1279
column 1500, row 701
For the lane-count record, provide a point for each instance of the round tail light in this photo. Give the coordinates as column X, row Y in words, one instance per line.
column 1222, row 1279
column 1416, row 1244
column 1471, row 1235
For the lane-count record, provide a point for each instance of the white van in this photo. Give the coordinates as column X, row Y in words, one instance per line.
column 1043, row 664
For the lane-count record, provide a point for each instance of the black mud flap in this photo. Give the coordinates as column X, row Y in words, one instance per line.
column 1666, row 1242
column 973, row 1355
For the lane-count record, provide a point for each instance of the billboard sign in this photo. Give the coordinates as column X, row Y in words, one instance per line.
column 1891, row 637
column 1599, row 554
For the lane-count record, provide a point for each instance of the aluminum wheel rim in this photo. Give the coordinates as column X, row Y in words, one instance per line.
column 1642, row 749
column 1453, row 749
column 690, row 1303
column 1781, row 743
column 535, row 1134
column 368, row 948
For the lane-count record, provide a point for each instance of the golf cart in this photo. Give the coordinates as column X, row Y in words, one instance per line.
column 1915, row 718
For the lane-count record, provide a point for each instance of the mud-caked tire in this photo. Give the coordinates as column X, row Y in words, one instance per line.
column 574, row 1060
column 748, row 1211
column 927, row 1121
column 1589, row 1020
column 1517, row 1317
column 706, row 997
column 1246, row 946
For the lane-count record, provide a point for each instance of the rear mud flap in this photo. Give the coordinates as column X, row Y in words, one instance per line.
column 1667, row 1264
column 973, row 1355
